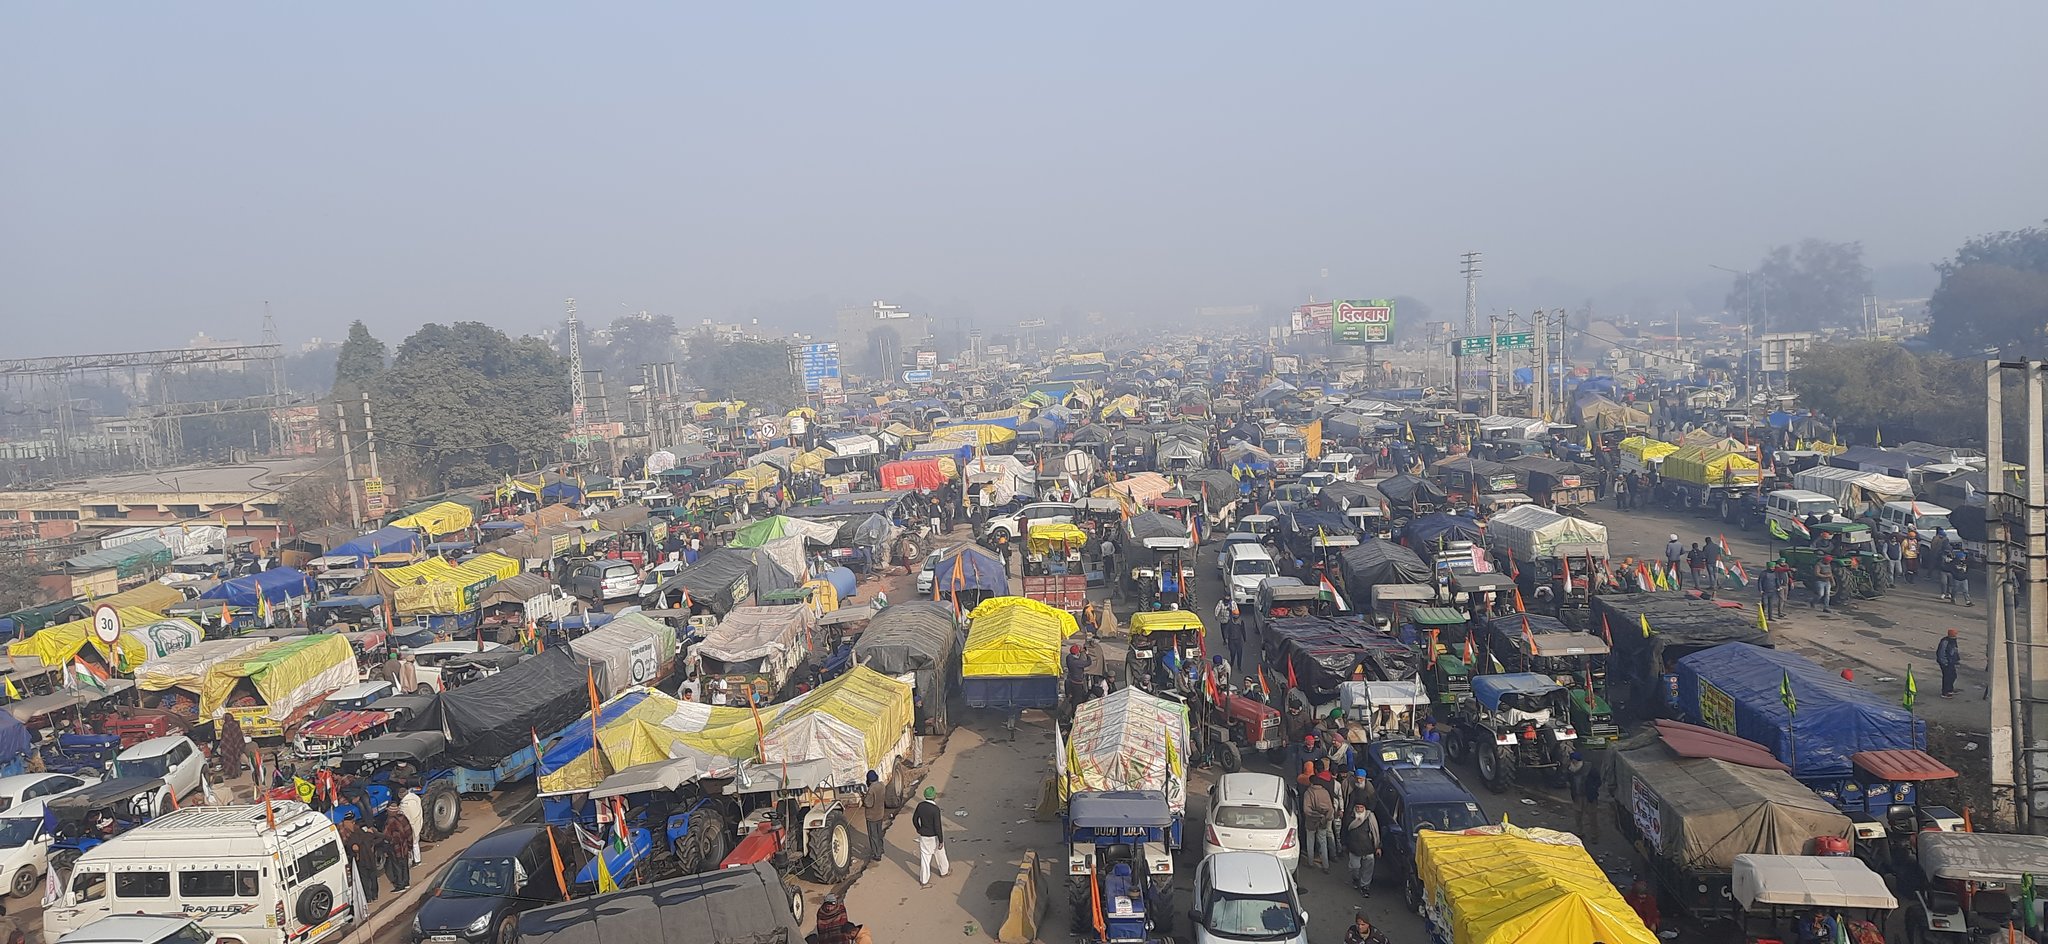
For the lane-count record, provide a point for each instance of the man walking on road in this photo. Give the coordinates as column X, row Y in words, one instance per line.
column 1767, row 593
column 877, row 816
column 1959, row 576
column 1318, row 814
column 1361, row 844
column 1674, row 552
column 1824, row 584
column 931, row 838
column 1713, row 549
column 1948, row 653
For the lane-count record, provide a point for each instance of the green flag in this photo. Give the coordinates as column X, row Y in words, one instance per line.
column 1912, row 690
column 2027, row 896
column 1778, row 531
column 1785, row 695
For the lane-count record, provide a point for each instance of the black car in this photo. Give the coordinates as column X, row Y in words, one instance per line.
column 1413, row 799
column 478, row 898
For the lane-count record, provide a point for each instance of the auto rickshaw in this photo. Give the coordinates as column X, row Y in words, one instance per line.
column 1972, row 885
column 1156, row 633
column 1776, row 893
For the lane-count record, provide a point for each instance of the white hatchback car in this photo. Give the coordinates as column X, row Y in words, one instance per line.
column 24, row 848
column 20, row 789
column 1248, row 813
column 173, row 758
column 1247, row 896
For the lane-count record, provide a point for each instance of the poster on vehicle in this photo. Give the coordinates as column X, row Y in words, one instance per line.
column 1648, row 812
column 1717, row 709
column 1363, row 322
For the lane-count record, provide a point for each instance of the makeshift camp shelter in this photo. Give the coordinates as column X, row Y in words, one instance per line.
column 286, row 675
column 1128, row 740
column 1507, row 885
column 781, row 526
column 634, row 649
column 1700, row 813
column 65, row 642
column 1533, row 532
column 1015, row 636
column 437, row 520
column 391, row 539
column 852, row 722
column 970, row 569
column 921, row 639
column 642, row 726
column 186, row 669
column 1008, row 477
column 435, row 586
column 498, row 715
column 1746, row 688
column 277, row 586
column 773, row 636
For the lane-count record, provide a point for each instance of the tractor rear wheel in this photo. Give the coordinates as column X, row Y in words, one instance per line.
column 828, row 850
column 444, row 809
column 1491, row 764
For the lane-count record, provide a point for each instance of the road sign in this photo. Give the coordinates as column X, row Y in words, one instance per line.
column 106, row 623
column 818, row 362
column 1469, row 347
column 917, row 376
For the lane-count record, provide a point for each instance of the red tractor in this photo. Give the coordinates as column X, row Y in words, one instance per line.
column 1237, row 723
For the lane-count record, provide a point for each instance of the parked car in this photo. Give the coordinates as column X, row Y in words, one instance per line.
column 605, row 580
column 1246, row 896
column 144, row 929
column 174, row 759
column 929, row 573
column 22, row 788
column 1412, row 799
column 1248, row 813
column 479, row 897
column 428, row 660
column 25, row 839
column 1014, row 524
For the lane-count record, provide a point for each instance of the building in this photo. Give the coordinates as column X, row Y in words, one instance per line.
column 244, row 498
column 878, row 340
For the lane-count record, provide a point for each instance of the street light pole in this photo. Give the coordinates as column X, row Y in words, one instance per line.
column 1748, row 316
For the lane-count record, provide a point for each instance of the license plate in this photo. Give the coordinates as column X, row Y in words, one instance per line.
column 441, row 938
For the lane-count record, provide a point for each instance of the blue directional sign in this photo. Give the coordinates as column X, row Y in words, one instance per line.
column 917, row 376
column 818, row 363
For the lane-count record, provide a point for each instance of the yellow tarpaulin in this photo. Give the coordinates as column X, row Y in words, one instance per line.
column 658, row 728
column 1645, row 450
column 872, row 710
column 1134, row 491
column 1164, row 621
column 706, row 409
column 1506, row 885
column 1015, row 636
column 59, row 644
column 437, row 520
column 452, row 590
column 755, row 478
column 1710, row 464
column 1042, row 537
column 151, row 596
column 974, row 434
column 286, row 674
column 812, row 461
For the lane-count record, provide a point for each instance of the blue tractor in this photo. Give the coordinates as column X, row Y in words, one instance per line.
column 1120, row 866
column 95, row 813
column 671, row 827
column 371, row 774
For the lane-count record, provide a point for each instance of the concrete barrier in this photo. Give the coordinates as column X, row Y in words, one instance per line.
column 1027, row 903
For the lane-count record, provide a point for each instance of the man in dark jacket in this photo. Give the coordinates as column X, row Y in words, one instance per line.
column 1948, row 654
column 1361, row 844
column 876, row 815
column 930, row 824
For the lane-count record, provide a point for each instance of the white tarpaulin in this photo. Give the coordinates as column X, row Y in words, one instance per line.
column 1010, row 477
column 788, row 553
column 1534, row 532
column 183, row 541
column 858, row 444
column 1128, row 740
column 186, row 667
column 754, row 632
column 635, row 649
column 853, row 723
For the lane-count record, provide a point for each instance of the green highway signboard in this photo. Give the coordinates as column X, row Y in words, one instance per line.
column 1469, row 347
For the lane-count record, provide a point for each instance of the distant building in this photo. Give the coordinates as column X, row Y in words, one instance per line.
column 878, row 339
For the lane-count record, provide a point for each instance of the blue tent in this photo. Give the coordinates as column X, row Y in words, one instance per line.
column 1441, row 526
column 1740, row 688
column 977, row 569
column 278, row 585
column 381, row 541
column 563, row 491
column 15, row 741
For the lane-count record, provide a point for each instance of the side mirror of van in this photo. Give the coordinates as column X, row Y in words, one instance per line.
column 1194, row 917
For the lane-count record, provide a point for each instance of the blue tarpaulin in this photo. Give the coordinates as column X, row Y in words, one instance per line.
column 14, row 737
column 1427, row 530
column 959, row 454
column 971, row 568
column 1739, row 688
column 380, row 541
column 575, row 742
column 278, row 585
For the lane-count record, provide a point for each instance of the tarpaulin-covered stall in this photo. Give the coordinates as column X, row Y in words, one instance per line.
column 186, row 671
column 1015, row 636
column 282, row 677
column 854, row 722
column 1710, row 465
column 1134, row 491
column 439, row 519
column 1128, row 740
column 1700, row 813
column 1643, row 451
column 1405, row 492
column 1743, row 689
column 921, row 639
column 445, row 589
column 969, row 568
column 633, row 649
column 758, row 640
column 643, row 726
column 1535, row 533
column 60, row 644
column 916, row 474
column 1507, row 885
column 1008, row 478
column 278, row 585
column 497, row 716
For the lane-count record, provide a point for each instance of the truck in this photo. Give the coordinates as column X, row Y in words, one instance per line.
column 1712, row 479
column 1855, row 492
column 749, row 657
column 1690, row 817
column 269, row 689
column 1751, row 692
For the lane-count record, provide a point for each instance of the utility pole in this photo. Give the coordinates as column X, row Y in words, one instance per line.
column 2015, row 597
column 1493, row 365
column 1998, row 661
column 348, row 465
column 2034, row 671
column 1540, row 396
column 1470, row 270
column 279, row 426
column 581, row 442
column 370, row 437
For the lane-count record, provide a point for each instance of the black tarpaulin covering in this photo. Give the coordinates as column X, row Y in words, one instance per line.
column 1678, row 627
column 1405, row 489
column 493, row 718
column 712, row 580
column 1152, row 524
column 730, row 906
column 921, row 638
column 1338, row 496
column 1375, row 561
column 1325, row 651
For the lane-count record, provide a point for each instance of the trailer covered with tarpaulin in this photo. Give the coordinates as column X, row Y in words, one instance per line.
column 725, row 578
column 1407, row 494
column 1128, row 740
column 1429, row 534
column 782, row 526
column 758, row 642
column 920, row 475
column 970, row 568
column 1744, row 690
column 857, row 722
column 1012, row 654
column 1532, row 533
column 498, row 716
column 65, row 642
column 634, row 649
column 266, row 686
column 1008, row 478
column 436, row 587
column 438, row 519
column 390, row 539
column 645, row 726
column 278, row 586
column 175, row 682
column 1377, row 561
column 920, row 639
column 1650, row 632
column 1509, row 885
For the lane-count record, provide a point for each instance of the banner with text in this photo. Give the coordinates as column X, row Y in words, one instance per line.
column 1367, row 322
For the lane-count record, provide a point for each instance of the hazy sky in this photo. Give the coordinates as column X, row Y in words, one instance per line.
column 170, row 166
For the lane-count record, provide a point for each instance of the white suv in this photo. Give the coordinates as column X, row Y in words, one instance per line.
column 173, row 758
column 1015, row 524
column 1247, row 896
column 1248, row 813
column 1245, row 567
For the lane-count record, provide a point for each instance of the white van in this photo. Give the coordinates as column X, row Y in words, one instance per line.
column 1788, row 508
column 224, row 865
column 146, row 929
column 1900, row 517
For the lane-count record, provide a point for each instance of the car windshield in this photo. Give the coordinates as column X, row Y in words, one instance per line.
column 488, row 878
column 1253, row 566
column 16, row 831
column 1253, row 917
column 1932, row 523
column 1448, row 817
column 142, row 766
column 1250, row 817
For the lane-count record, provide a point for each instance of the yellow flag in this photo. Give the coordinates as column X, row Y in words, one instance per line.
column 605, row 884
column 1646, row 624
column 1172, row 758
column 13, row 693
column 1763, row 623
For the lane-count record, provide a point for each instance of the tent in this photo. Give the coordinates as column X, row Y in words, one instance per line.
column 278, row 585
column 1010, row 478
column 781, row 526
column 1438, row 529
column 852, row 722
column 970, row 568
column 439, row 519
column 386, row 540
column 60, row 644
column 775, row 635
column 1741, row 688
column 728, row 577
column 634, row 649
column 1128, row 740
column 642, row 726
column 186, row 669
column 1700, row 813
column 1405, row 490
column 1507, row 885
column 1015, row 636
column 1532, row 532
column 916, row 474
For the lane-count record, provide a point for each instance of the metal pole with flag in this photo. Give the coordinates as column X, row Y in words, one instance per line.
column 1912, row 694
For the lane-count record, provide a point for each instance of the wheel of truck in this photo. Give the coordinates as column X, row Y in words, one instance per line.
column 25, row 883
column 1229, row 757
column 828, row 850
column 896, row 789
column 1490, row 768
column 423, row 689
column 444, row 809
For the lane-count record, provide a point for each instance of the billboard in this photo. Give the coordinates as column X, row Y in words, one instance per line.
column 1312, row 318
column 1367, row 322
column 819, row 362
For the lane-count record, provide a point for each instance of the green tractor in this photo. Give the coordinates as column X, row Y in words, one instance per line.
column 1861, row 570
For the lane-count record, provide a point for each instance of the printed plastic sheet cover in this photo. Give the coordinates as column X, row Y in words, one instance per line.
column 1015, row 636
column 56, row 645
column 1507, row 885
column 781, row 526
column 456, row 589
column 1711, row 810
column 751, row 632
column 853, row 721
column 633, row 649
column 186, row 669
column 287, row 674
column 642, row 726
column 1129, row 740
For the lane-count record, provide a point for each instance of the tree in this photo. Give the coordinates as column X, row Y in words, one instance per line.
column 1993, row 294
column 19, row 589
column 752, row 370
column 1801, row 288
column 360, row 361
column 468, row 405
column 1871, row 385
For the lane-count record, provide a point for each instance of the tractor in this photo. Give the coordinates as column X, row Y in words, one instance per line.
column 1516, row 721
